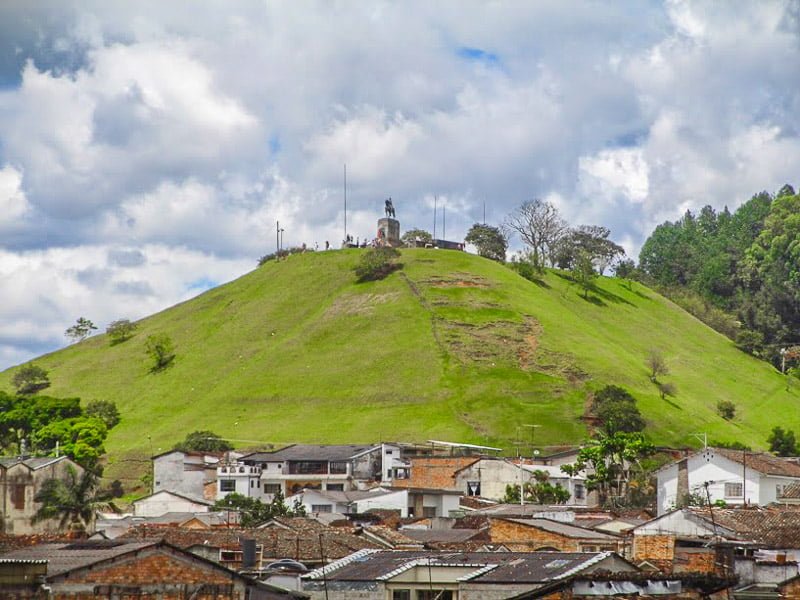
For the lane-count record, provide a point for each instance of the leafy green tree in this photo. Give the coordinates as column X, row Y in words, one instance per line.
column 615, row 461
column 120, row 331
column 203, row 441
column 81, row 330
column 80, row 438
column 105, row 410
column 617, row 410
column 160, row 348
column 376, row 263
column 782, row 443
column 73, row 500
column 412, row 236
column 591, row 241
column 30, row 378
column 490, row 241
column 583, row 273
column 667, row 388
column 254, row 512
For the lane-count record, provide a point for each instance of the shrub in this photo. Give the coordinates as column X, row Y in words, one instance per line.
column 376, row 263
column 104, row 410
column 120, row 330
column 161, row 349
column 726, row 409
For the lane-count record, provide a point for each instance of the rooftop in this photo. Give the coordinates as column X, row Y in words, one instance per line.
column 433, row 472
column 32, row 463
column 310, row 452
column 64, row 557
column 564, row 529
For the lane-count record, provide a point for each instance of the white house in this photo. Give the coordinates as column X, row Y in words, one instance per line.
column 163, row 502
column 240, row 478
column 352, row 502
column 733, row 476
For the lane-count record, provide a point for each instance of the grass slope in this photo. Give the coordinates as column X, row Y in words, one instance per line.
column 452, row 347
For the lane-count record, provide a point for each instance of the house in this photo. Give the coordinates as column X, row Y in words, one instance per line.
column 117, row 569
column 425, row 575
column 164, row 502
column 20, row 481
column 352, row 502
column 591, row 586
column 303, row 466
column 113, row 526
column 532, row 535
column 188, row 473
column 759, row 544
column 734, row 477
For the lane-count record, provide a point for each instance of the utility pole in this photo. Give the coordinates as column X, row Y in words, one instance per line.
column 444, row 224
column 435, row 200
column 345, row 201
column 277, row 236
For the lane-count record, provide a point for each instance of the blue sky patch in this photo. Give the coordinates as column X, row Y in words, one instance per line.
column 202, row 284
column 478, row 55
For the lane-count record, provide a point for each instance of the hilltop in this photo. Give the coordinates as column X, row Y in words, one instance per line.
column 452, row 346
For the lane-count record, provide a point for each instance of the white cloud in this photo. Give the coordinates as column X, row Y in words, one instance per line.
column 13, row 203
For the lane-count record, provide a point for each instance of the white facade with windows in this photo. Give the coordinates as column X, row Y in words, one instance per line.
column 239, row 478
column 720, row 474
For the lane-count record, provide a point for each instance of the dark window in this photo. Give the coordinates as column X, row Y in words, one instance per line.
column 580, row 491
column 401, row 594
column 428, row 512
column 272, row 488
column 227, row 485
column 335, row 487
column 338, row 468
column 308, row 468
column 18, row 496
column 473, row 488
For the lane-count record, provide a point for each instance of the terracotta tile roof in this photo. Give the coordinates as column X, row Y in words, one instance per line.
column 762, row 462
column 435, row 472
column 298, row 543
column 565, row 529
column 392, row 538
column 769, row 527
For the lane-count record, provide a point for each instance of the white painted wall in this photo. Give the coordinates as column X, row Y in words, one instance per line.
column 164, row 502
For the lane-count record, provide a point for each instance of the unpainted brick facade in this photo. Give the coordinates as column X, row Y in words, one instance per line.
column 524, row 538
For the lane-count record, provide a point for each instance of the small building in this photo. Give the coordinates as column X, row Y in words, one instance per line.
column 164, row 502
column 118, row 569
column 532, row 535
column 425, row 575
column 188, row 473
column 734, row 477
column 20, row 481
column 352, row 502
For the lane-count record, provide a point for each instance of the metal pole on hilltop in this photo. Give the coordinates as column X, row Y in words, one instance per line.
column 345, row 201
column 277, row 236
column 435, row 200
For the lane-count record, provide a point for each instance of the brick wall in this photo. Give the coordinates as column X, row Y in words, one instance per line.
column 654, row 548
column 152, row 569
column 523, row 537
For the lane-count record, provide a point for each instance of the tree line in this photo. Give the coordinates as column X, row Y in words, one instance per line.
column 743, row 265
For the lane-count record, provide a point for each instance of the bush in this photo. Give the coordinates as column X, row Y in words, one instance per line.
column 376, row 263
column 726, row 409
column 203, row 441
column 120, row 330
column 30, row 378
column 283, row 253
column 617, row 409
column 104, row 410
column 161, row 349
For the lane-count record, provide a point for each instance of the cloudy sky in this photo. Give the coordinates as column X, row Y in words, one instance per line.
column 147, row 148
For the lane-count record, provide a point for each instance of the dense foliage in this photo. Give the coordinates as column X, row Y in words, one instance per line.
column 489, row 241
column 540, row 491
column 746, row 263
column 120, row 330
column 376, row 263
column 254, row 512
column 30, row 378
column 617, row 411
column 203, row 441
column 39, row 424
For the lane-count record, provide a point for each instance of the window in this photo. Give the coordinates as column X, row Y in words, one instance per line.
column 321, row 508
column 338, row 468
column 18, row 496
column 580, row 491
column 389, row 452
column 272, row 488
column 307, row 468
column 428, row 512
column 388, row 473
column 335, row 487
column 230, row 555
column 227, row 485
column 473, row 488
column 401, row 594
column 733, row 490
column 252, row 483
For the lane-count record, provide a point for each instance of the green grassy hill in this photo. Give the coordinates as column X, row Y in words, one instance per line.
column 451, row 347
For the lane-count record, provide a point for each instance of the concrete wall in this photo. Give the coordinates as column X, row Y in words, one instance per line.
column 163, row 502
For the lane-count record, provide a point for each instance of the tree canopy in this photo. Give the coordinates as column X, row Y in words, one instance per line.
column 203, row 441
column 490, row 241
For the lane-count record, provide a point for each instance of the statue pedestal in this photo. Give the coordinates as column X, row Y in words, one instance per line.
column 389, row 232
